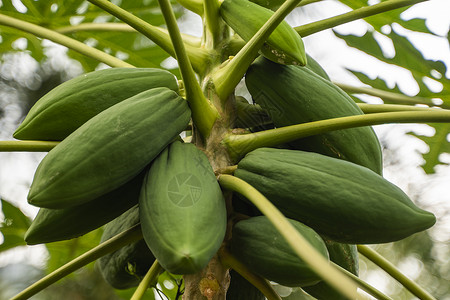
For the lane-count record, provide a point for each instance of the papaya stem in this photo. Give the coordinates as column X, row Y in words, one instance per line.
column 212, row 23
column 121, row 27
column 363, row 285
column 385, row 95
column 204, row 114
column 387, row 266
column 228, row 76
column 230, row 261
column 298, row 243
column 198, row 56
column 64, row 41
column 27, row 146
column 149, row 280
column 126, row 237
column 196, row 6
column 359, row 13
column 240, row 144
column 379, row 108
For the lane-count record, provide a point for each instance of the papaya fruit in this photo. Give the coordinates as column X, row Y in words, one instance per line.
column 109, row 149
column 124, row 268
column 69, row 105
column 293, row 95
column 183, row 214
column 241, row 289
column 284, row 45
column 52, row 225
column 258, row 244
column 314, row 66
column 344, row 255
column 341, row 200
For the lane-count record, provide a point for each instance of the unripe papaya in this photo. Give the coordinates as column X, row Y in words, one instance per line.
column 125, row 267
column 51, row 225
column 314, row 66
column 341, row 200
column 344, row 255
column 259, row 245
column 183, row 214
column 284, row 45
column 69, row 105
column 109, row 149
column 293, row 95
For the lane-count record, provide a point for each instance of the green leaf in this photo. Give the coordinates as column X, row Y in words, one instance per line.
column 437, row 143
column 13, row 226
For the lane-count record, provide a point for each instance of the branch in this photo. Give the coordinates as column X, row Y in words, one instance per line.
column 198, row 56
column 149, row 280
column 63, row 40
column 128, row 236
column 297, row 242
column 379, row 108
column 27, row 146
column 204, row 114
column 228, row 76
column 239, row 145
column 385, row 95
column 384, row 264
column 363, row 12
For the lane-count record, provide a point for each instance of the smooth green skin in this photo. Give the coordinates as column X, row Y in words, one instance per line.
column 262, row 248
column 341, row 200
column 182, row 238
column 284, row 45
column 344, row 255
column 270, row 4
column 293, row 95
column 125, row 267
column 66, row 107
column 109, row 149
column 52, row 225
column 314, row 66
column 241, row 289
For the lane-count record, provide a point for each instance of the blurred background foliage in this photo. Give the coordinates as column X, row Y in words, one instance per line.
column 30, row 67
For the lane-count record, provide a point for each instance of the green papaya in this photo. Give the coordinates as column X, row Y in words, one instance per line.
column 258, row 244
column 125, row 268
column 344, row 255
column 293, row 95
column 314, row 66
column 250, row 115
column 66, row 107
column 51, row 225
column 241, row 289
column 109, row 149
column 284, row 45
column 341, row 200
column 183, row 214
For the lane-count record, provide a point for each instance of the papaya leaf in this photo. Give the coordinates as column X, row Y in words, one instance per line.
column 13, row 226
column 437, row 143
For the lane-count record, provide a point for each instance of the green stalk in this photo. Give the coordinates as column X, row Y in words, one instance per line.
column 199, row 57
column 121, row 27
column 379, row 108
column 63, row 40
column 380, row 261
column 306, row 2
column 240, row 144
column 204, row 114
column 360, row 13
column 363, row 285
column 128, row 236
column 27, row 146
column 149, row 280
column 230, row 261
column 195, row 6
column 385, row 95
column 212, row 21
column 228, row 76
column 298, row 243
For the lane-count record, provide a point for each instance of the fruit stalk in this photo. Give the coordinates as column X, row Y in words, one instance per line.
column 63, row 40
column 240, row 144
column 29, row 146
column 384, row 264
column 149, row 280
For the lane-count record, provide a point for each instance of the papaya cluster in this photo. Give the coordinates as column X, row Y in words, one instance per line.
column 120, row 161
